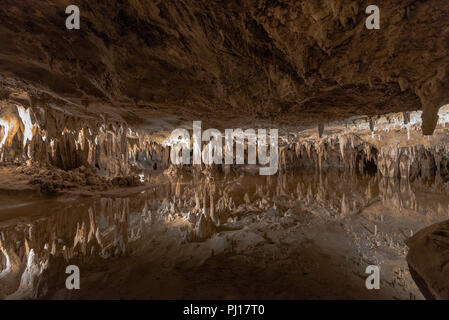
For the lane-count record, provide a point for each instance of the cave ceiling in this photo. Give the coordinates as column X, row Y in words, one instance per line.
column 227, row 63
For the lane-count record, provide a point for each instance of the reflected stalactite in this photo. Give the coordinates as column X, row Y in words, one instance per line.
column 196, row 207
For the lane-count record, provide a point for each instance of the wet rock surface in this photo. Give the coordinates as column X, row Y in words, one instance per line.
column 428, row 258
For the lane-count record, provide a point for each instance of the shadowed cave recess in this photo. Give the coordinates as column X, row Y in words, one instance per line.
column 87, row 177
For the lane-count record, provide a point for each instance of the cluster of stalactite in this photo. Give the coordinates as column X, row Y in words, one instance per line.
column 351, row 154
column 148, row 155
column 415, row 162
column 345, row 152
column 46, row 135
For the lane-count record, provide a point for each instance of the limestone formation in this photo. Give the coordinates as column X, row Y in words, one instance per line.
column 293, row 61
column 360, row 152
column 428, row 259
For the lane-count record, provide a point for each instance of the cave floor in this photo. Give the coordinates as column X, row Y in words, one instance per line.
column 291, row 236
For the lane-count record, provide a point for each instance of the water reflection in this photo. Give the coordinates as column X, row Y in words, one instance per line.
column 38, row 234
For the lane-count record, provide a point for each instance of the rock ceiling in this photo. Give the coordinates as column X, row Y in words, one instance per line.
column 290, row 62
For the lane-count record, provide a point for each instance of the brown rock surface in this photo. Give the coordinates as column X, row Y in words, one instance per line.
column 294, row 62
column 428, row 259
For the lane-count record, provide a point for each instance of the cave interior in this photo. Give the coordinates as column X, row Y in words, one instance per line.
column 98, row 98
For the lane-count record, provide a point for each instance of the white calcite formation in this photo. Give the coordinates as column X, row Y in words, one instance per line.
column 49, row 136
column 346, row 152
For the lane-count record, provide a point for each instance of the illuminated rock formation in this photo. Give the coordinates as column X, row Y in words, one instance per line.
column 292, row 61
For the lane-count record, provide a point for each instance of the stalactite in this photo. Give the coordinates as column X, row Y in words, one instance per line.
column 344, row 152
column 67, row 142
